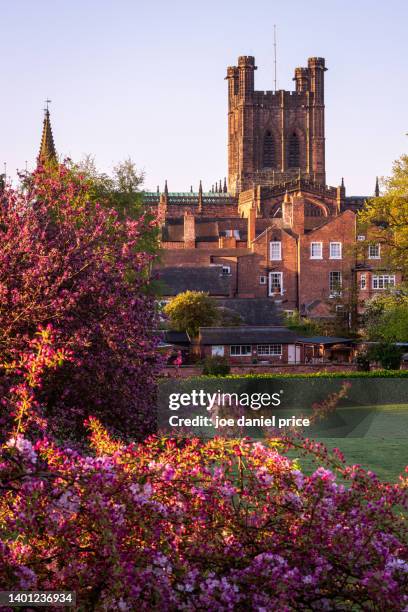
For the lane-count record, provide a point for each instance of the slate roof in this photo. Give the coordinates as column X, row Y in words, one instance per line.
column 170, row 336
column 254, row 311
column 325, row 340
column 209, row 279
column 246, row 335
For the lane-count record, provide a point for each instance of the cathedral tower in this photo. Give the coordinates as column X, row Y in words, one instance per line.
column 275, row 135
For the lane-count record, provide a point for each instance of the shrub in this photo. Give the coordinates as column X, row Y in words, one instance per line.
column 388, row 355
column 187, row 525
column 216, row 366
column 363, row 361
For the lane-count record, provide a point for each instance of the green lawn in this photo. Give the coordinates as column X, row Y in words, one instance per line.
column 379, row 443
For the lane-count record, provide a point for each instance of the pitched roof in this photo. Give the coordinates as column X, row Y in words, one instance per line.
column 186, row 278
column 254, row 311
column 170, row 336
column 247, row 335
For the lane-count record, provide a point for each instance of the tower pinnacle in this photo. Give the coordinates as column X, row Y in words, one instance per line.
column 377, row 188
column 47, row 148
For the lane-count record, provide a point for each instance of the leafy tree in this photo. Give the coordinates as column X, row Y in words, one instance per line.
column 191, row 310
column 389, row 215
column 386, row 318
column 388, row 355
column 122, row 191
column 65, row 260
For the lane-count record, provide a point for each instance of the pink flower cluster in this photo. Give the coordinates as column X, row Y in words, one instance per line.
column 186, row 525
column 70, row 262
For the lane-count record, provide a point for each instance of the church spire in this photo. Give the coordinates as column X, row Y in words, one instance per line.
column 377, row 188
column 47, row 148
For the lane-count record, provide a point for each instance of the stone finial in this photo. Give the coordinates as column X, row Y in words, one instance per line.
column 166, row 189
column 286, row 199
column 342, row 181
column 225, row 185
column 220, row 187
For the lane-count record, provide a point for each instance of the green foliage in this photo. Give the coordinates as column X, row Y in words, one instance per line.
column 389, row 213
column 216, row 366
column 191, row 310
column 302, row 325
column 388, row 355
column 121, row 191
column 386, row 318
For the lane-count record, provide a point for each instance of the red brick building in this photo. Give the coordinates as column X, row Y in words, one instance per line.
column 278, row 233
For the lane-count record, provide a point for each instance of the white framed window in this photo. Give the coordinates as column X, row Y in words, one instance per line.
column 275, row 283
column 335, row 250
column 363, row 281
column 262, row 280
column 217, row 350
column 335, row 282
column 236, row 234
column 239, row 350
column 290, row 313
column 383, row 281
column 269, row 349
column 275, row 249
column 361, row 238
column 226, row 270
column 339, row 308
column 316, row 250
column 374, row 251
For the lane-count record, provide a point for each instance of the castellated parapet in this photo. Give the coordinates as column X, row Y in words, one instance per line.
column 275, row 135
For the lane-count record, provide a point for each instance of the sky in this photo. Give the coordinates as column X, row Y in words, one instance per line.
column 146, row 80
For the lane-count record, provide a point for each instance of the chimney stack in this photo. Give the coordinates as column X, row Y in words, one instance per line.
column 189, row 230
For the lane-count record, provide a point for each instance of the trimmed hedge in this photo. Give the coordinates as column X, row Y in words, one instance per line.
column 344, row 375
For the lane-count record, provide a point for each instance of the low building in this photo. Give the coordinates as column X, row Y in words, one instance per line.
column 323, row 349
column 251, row 344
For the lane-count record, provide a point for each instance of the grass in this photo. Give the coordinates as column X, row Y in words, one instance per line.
column 382, row 446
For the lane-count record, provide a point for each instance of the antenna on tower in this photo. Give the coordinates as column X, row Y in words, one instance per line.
column 274, row 54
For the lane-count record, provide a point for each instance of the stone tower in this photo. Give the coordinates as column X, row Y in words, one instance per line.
column 275, row 135
column 47, row 148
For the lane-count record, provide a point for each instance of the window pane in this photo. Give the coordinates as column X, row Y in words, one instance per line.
column 335, row 281
column 276, row 250
column 275, row 282
column 269, row 349
column 374, row 251
column 316, row 250
column 335, row 250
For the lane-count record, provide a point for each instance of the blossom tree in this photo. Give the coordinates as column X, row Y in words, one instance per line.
column 67, row 261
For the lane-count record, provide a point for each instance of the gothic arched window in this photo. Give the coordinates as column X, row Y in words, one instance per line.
column 268, row 155
column 294, row 151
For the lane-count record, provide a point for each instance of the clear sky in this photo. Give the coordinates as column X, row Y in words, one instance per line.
column 145, row 80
